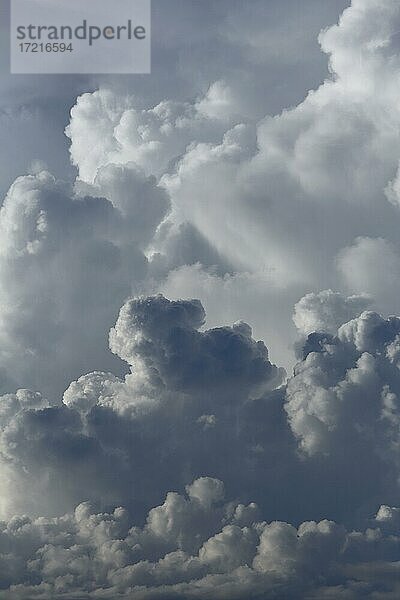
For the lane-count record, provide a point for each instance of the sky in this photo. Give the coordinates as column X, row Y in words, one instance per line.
column 199, row 283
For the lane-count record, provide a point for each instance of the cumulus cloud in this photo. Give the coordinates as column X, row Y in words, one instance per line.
column 294, row 191
column 67, row 262
column 186, row 388
column 192, row 546
column 274, row 184
column 207, row 406
column 343, row 395
column 235, row 481
column 106, row 129
column 326, row 311
column 199, row 46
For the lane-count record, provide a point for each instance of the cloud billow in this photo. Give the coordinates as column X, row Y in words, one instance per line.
column 127, row 442
column 170, row 457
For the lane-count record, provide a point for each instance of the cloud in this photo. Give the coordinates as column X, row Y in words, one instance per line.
column 326, row 311
column 198, row 47
column 207, row 406
column 189, row 548
column 186, row 388
column 343, row 395
column 236, row 481
column 282, row 200
column 371, row 265
column 152, row 138
column 263, row 180
column 67, row 262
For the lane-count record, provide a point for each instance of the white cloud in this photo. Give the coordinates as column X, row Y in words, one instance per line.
column 281, row 198
column 105, row 129
column 343, row 389
column 67, row 263
column 326, row 311
column 104, row 555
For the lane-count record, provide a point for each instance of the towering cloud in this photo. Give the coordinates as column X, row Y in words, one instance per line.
column 169, row 457
column 185, row 390
column 198, row 406
column 294, row 191
column 67, row 262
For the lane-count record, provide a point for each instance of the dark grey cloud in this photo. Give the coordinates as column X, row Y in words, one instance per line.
column 204, row 413
column 195, row 545
column 116, row 433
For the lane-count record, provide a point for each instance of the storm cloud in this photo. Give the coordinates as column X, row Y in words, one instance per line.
column 199, row 362
column 206, row 413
